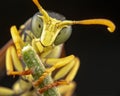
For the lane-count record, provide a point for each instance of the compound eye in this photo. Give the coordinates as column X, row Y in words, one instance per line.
column 37, row 25
column 63, row 35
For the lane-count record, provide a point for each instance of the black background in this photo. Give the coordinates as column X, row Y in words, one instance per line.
column 98, row 50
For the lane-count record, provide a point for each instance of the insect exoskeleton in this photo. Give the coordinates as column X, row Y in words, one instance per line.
column 35, row 55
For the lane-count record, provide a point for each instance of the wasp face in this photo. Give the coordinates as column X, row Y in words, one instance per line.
column 50, row 31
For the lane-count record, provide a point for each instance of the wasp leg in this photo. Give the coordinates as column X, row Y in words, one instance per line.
column 12, row 61
column 69, row 64
column 70, row 77
column 68, row 69
column 59, row 63
column 13, row 55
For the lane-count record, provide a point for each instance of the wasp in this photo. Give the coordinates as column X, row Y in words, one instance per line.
column 45, row 35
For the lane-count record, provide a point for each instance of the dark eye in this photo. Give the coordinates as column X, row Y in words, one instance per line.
column 63, row 35
column 37, row 25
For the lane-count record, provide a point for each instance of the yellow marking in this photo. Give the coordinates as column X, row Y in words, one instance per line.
column 37, row 45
